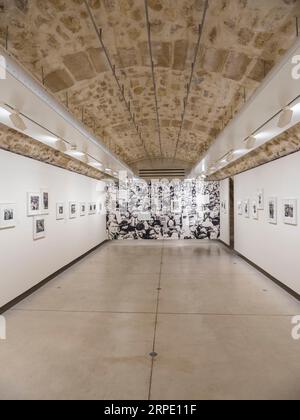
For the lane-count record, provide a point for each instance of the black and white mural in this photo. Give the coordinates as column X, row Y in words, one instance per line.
column 163, row 209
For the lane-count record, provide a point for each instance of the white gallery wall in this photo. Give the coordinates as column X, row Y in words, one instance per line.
column 273, row 247
column 225, row 213
column 25, row 262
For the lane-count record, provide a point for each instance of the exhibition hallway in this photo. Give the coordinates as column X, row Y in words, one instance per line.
column 219, row 328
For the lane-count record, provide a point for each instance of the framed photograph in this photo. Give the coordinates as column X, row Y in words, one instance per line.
column 39, row 227
column 254, row 209
column 72, row 210
column 34, row 204
column 272, row 210
column 247, row 208
column 92, row 208
column 100, row 208
column 260, row 199
column 8, row 214
column 224, row 206
column 45, row 201
column 240, row 208
column 82, row 207
column 60, row 211
column 290, row 211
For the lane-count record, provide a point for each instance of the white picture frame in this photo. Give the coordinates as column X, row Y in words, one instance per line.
column 8, row 214
column 44, row 201
column 60, row 211
column 240, row 208
column 254, row 210
column 72, row 210
column 290, row 216
column 82, row 209
column 39, row 227
column 92, row 208
column 246, row 208
column 272, row 210
column 261, row 199
column 34, row 203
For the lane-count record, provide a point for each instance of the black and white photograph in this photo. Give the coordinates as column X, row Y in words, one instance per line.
column 141, row 220
column 240, row 208
column 260, row 199
column 34, row 204
column 72, row 210
column 60, row 211
column 39, row 227
column 92, row 208
column 224, row 206
column 82, row 207
column 272, row 210
column 254, row 210
column 45, row 201
column 247, row 208
column 290, row 211
column 7, row 216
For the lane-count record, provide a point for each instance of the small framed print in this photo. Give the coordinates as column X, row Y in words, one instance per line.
column 72, row 210
column 34, row 204
column 60, row 211
column 82, row 207
column 39, row 227
column 260, row 200
column 240, row 208
column 272, row 210
column 247, row 208
column 92, row 208
column 100, row 207
column 290, row 211
column 8, row 214
column 254, row 209
column 224, row 206
column 44, row 202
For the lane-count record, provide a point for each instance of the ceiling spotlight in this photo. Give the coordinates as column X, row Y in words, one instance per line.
column 229, row 156
column 61, row 146
column 17, row 121
column 107, row 170
column 96, row 164
column 73, row 151
column 285, row 117
column 250, row 142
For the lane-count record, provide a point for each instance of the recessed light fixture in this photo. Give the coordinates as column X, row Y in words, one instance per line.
column 285, row 118
column 73, row 151
column 61, row 146
column 108, row 170
column 95, row 163
column 250, row 142
column 17, row 121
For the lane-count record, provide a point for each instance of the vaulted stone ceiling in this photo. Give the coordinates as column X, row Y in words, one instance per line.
column 241, row 41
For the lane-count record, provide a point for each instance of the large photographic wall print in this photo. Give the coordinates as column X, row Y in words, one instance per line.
column 163, row 209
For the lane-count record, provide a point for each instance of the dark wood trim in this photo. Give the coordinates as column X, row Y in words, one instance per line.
column 29, row 292
column 265, row 273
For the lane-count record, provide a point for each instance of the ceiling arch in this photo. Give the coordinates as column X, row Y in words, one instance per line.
column 241, row 42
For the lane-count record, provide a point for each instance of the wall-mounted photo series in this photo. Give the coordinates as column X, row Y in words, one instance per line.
column 288, row 209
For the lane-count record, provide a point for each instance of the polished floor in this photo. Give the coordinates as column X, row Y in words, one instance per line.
column 218, row 329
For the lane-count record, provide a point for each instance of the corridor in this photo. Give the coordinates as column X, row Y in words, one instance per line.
column 153, row 320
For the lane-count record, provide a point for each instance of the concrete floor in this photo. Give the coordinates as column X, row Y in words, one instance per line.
column 220, row 329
